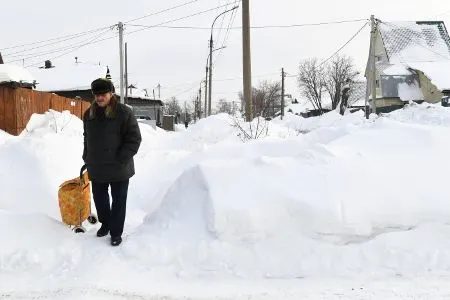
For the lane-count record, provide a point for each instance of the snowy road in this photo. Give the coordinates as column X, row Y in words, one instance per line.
column 395, row 288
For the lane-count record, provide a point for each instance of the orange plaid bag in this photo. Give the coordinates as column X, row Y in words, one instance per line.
column 75, row 201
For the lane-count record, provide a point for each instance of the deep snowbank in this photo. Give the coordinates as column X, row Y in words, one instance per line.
column 320, row 197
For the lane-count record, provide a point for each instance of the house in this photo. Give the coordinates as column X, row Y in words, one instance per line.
column 19, row 100
column 73, row 81
column 412, row 63
column 15, row 76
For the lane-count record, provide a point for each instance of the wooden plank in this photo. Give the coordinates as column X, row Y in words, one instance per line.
column 2, row 108
column 10, row 111
column 56, row 103
column 84, row 107
column 76, row 108
column 25, row 106
column 42, row 102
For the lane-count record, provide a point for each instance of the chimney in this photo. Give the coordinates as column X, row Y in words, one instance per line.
column 48, row 64
column 1, row 59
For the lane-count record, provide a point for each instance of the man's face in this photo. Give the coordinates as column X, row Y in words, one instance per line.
column 103, row 99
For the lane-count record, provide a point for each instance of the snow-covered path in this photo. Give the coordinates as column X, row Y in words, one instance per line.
column 385, row 288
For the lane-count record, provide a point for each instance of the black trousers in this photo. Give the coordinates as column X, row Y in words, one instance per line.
column 111, row 216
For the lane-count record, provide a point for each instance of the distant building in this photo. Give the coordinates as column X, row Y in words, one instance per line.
column 73, row 81
column 412, row 63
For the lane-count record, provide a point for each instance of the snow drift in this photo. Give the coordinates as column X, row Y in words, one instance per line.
column 320, row 197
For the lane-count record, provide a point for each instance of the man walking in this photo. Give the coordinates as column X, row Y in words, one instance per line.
column 111, row 140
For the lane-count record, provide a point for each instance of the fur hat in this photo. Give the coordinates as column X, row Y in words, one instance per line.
column 102, row 86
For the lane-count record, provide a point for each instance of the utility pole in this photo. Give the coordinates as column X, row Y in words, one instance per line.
column 373, row 63
column 247, row 68
column 211, row 57
column 206, row 92
column 199, row 100
column 210, row 73
column 126, row 71
column 120, row 25
column 282, row 92
column 195, row 109
column 159, row 91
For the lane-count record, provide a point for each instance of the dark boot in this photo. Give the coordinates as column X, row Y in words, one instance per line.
column 116, row 240
column 103, row 231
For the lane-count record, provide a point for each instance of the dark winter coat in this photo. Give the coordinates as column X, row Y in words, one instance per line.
column 111, row 139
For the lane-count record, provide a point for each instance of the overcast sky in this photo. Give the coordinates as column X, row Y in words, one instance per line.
column 176, row 58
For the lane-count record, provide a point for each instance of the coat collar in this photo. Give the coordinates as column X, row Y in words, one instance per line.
column 110, row 111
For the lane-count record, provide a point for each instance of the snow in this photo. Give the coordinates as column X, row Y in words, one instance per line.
column 318, row 208
column 14, row 73
column 410, row 92
column 68, row 76
column 419, row 46
column 414, row 42
column 397, row 70
column 304, row 105
column 437, row 72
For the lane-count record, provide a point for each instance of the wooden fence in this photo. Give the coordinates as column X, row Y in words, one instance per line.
column 17, row 105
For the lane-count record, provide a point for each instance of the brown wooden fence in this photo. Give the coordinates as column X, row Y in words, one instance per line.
column 18, row 104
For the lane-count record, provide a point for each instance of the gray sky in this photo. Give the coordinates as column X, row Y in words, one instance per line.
column 176, row 58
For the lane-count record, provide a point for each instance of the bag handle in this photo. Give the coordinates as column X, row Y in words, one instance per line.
column 83, row 168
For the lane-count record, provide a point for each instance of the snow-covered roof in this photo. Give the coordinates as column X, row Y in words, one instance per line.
column 72, row 76
column 393, row 70
column 437, row 72
column 15, row 73
column 419, row 46
column 407, row 42
column 304, row 105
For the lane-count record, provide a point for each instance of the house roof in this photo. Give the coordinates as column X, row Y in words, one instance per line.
column 407, row 42
column 15, row 73
column 420, row 46
column 68, row 76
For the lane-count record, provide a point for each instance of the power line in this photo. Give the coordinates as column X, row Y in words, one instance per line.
column 46, row 52
column 40, row 54
column 57, row 38
column 90, row 42
column 14, row 54
column 227, row 33
column 255, row 27
column 145, row 27
column 343, row 46
column 72, row 36
column 222, row 19
column 218, row 80
column 162, row 11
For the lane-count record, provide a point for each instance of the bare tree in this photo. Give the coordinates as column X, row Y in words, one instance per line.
column 266, row 99
column 339, row 72
column 225, row 107
column 311, row 81
column 258, row 128
column 172, row 107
